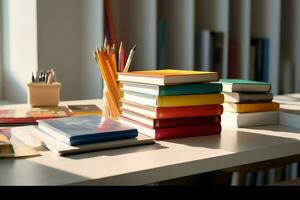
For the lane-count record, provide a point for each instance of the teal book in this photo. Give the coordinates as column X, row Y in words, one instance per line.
column 239, row 85
column 86, row 129
column 185, row 89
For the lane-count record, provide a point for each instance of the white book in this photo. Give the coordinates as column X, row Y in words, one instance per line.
column 243, row 120
column 290, row 118
column 32, row 135
column 141, row 88
column 168, row 77
column 144, row 99
column 235, row 97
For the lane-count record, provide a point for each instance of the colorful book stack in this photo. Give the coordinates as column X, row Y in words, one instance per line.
column 248, row 103
column 165, row 104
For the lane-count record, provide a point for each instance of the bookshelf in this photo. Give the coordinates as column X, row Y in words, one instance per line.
column 137, row 22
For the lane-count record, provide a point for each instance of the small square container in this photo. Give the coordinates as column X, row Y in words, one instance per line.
column 43, row 95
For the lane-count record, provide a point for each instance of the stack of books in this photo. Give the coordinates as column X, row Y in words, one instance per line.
column 78, row 134
column 248, row 103
column 165, row 104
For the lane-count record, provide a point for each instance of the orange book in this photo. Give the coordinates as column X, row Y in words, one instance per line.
column 168, row 77
column 173, row 112
column 250, row 107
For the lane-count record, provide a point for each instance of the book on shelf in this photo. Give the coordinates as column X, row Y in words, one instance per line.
column 250, row 107
column 235, row 97
column 261, row 60
column 257, row 44
column 161, row 43
column 173, row 112
column 174, row 132
column 233, row 59
column 13, row 117
column 87, row 109
column 170, row 122
column 217, row 52
column 172, row 90
column 86, row 129
column 244, row 120
column 204, row 50
column 265, row 59
column 173, row 101
column 239, row 85
column 252, row 59
column 168, row 77
column 34, row 137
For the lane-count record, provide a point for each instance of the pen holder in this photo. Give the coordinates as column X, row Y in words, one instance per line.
column 42, row 94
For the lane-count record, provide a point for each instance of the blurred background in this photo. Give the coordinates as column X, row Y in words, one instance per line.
column 249, row 39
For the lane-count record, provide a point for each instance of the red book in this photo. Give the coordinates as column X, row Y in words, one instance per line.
column 171, row 122
column 174, row 132
column 30, row 116
column 173, row 112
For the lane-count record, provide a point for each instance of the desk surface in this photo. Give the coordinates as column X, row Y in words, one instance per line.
column 152, row 163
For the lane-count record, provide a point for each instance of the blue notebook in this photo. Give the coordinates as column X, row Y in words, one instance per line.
column 86, row 129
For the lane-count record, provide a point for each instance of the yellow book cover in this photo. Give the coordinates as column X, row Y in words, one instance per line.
column 78, row 110
column 190, row 100
column 168, row 76
column 251, row 107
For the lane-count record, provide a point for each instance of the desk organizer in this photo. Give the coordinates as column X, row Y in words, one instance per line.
column 42, row 94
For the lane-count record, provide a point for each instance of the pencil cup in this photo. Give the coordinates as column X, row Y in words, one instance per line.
column 42, row 94
column 111, row 106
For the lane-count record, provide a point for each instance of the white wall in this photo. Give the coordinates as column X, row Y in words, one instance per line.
column 179, row 16
column 68, row 32
column 20, row 47
column 135, row 22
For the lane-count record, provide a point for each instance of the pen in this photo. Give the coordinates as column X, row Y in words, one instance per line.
column 121, row 58
column 32, row 78
column 129, row 59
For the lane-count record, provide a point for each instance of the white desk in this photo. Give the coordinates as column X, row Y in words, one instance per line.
column 147, row 164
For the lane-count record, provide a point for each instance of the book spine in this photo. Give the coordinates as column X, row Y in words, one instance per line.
column 190, row 121
column 265, row 60
column 189, row 111
column 190, row 100
column 217, row 51
column 204, row 50
column 233, row 70
column 189, row 131
column 161, row 44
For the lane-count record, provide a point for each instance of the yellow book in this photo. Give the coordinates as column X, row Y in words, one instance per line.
column 78, row 110
column 173, row 101
column 168, row 77
column 250, row 107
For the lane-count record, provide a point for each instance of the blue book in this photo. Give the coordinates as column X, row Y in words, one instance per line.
column 265, row 60
column 86, row 129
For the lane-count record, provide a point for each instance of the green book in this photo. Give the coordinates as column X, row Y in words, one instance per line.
column 239, row 85
column 185, row 89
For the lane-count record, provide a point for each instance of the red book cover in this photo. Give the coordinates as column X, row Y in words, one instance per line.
column 171, row 122
column 29, row 116
column 174, row 112
column 174, row 132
